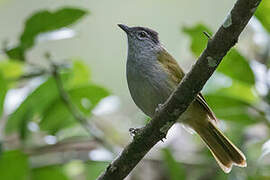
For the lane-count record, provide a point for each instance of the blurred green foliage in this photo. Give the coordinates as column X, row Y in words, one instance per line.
column 233, row 65
column 262, row 14
column 43, row 96
column 57, row 116
column 94, row 169
column 14, row 165
column 11, row 69
column 174, row 168
column 52, row 172
column 8, row 70
column 232, row 109
column 41, row 22
column 238, row 104
column 43, row 105
column 231, row 103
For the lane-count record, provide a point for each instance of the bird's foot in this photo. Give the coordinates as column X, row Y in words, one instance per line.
column 158, row 108
column 163, row 137
column 134, row 131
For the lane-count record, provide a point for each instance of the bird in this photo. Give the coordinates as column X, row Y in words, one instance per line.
column 153, row 74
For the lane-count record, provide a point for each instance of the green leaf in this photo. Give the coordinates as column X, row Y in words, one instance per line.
column 11, row 69
column 263, row 15
column 34, row 104
column 44, row 102
column 49, row 172
column 41, row 22
column 56, row 116
column 239, row 91
column 233, row 65
column 232, row 109
column 14, row 166
column 237, row 67
column 93, row 169
column 85, row 98
column 81, row 74
column 16, row 53
column 176, row 172
column 198, row 39
column 3, row 91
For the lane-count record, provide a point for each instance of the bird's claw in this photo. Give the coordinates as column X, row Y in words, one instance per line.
column 163, row 137
column 134, row 131
column 158, row 108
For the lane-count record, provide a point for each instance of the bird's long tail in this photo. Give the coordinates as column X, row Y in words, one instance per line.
column 224, row 151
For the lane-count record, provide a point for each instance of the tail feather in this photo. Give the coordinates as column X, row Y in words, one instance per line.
column 224, row 151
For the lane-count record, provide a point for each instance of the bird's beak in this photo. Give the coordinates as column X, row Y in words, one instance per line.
column 124, row 28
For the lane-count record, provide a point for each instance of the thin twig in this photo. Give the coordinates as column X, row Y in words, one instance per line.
column 193, row 82
column 207, row 35
column 91, row 129
column 64, row 146
column 28, row 76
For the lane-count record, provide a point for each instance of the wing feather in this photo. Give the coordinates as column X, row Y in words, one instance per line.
column 203, row 102
column 176, row 74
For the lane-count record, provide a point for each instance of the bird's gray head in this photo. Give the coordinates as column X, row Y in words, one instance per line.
column 141, row 40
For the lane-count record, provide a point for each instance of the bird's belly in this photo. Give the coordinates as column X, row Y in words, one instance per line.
column 149, row 91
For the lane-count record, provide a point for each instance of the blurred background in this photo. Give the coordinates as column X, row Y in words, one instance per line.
column 65, row 108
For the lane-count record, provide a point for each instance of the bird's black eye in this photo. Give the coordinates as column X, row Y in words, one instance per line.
column 142, row 34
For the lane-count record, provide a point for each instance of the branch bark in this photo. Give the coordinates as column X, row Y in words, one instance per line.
column 224, row 39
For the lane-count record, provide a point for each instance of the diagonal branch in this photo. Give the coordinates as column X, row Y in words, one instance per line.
column 76, row 113
column 217, row 47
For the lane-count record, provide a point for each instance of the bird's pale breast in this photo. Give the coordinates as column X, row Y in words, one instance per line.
column 149, row 86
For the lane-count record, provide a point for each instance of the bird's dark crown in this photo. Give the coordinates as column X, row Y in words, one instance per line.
column 153, row 34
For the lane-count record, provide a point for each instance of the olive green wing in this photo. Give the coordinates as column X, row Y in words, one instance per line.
column 171, row 66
